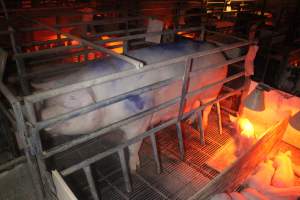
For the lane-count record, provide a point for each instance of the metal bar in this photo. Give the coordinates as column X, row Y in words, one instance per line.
column 120, row 123
column 37, row 149
column 99, row 156
column 105, row 178
column 180, row 140
column 184, row 90
column 200, row 127
column 235, row 76
column 31, row 161
column 136, row 63
column 125, row 171
column 3, row 59
column 106, row 129
column 155, row 153
column 12, row 163
column 219, row 118
column 122, row 38
column 84, row 84
column 100, row 104
column 91, row 182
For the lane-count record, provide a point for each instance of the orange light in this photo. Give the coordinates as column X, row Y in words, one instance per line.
column 187, row 35
column 118, row 50
column 246, row 127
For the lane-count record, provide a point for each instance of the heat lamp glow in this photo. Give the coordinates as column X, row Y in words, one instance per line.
column 118, row 50
column 246, row 127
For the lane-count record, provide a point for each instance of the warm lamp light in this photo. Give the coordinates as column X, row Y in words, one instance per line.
column 295, row 121
column 256, row 99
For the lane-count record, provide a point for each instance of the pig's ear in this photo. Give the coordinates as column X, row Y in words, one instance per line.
column 288, row 153
column 232, row 118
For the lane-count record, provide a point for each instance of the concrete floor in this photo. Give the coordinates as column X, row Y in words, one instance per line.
column 16, row 184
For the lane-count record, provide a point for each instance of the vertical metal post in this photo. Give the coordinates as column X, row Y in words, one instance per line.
column 91, row 182
column 219, row 118
column 19, row 62
column 180, row 140
column 31, row 161
column 155, row 153
column 200, row 127
column 125, row 170
column 3, row 59
column 184, row 90
column 202, row 34
column 37, row 150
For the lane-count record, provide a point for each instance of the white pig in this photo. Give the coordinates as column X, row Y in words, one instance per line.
column 262, row 177
column 252, row 194
column 135, row 103
column 284, row 173
column 221, row 196
column 237, row 196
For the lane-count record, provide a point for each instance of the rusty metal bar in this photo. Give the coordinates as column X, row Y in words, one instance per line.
column 155, row 153
column 219, row 118
column 200, row 127
column 136, row 63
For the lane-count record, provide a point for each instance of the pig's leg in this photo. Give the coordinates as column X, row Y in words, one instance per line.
column 132, row 130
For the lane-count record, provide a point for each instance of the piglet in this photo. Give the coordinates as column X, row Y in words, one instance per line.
column 289, row 193
column 262, row 177
column 284, row 174
column 253, row 194
column 221, row 196
column 237, row 196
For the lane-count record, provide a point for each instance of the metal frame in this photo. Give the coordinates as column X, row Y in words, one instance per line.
column 35, row 125
column 29, row 128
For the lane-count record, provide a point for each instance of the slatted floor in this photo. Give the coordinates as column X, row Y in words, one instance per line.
column 178, row 180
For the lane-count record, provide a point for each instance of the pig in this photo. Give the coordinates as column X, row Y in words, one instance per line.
column 274, row 193
column 252, row 194
column 237, row 196
column 221, row 196
column 133, row 104
column 284, row 173
column 262, row 177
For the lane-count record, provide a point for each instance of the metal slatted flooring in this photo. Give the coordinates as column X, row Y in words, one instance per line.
column 178, row 180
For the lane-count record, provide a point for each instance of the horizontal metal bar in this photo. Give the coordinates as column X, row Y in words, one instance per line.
column 136, row 63
column 235, row 76
column 115, row 39
column 219, row 98
column 85, row 84
column 82, row 139
column 103, row 103
column 228, row 62
column 12, row 163
column 106, row 129
column 99, row 156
